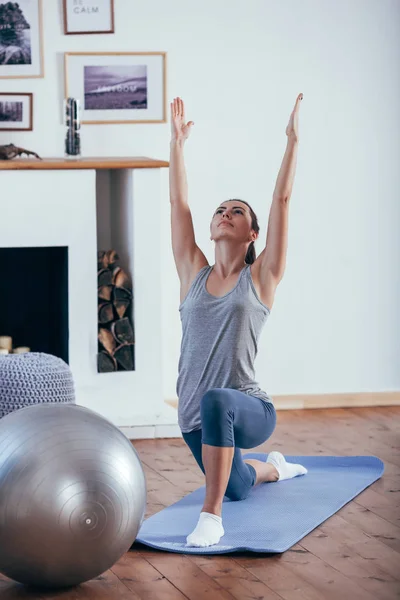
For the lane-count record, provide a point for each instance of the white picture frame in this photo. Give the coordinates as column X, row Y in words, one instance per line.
column 88, row 16
column 21, row 43
column 117, row 87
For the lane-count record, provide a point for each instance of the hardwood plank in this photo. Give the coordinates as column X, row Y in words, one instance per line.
column 371, row 499
column 279, row 577
column 140, row 576
column 160, row 488
column 387, row 486
column 363, row 545
column 384, row 514
column 344, row 558
column 234, row 578
column 105, row 587
column 187, row 476
column 188, row 577
column 331, row 583
column 371, row 524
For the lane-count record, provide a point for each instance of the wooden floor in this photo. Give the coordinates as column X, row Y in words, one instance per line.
column 354, row 555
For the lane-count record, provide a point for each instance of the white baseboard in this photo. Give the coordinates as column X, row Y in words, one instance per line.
column 148, row 432
column 342, row 400
column 163, row 425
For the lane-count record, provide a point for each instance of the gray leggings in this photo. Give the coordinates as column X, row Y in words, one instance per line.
column 233, row 418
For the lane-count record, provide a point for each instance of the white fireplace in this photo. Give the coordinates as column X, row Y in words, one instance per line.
column 86, row 209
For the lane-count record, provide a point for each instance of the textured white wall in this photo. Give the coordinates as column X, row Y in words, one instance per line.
column 239, row 66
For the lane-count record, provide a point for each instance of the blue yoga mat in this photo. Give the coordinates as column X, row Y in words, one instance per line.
column 274, row 516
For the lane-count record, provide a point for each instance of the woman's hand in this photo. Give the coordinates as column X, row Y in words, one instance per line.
column 179, row 129
column 292, row 130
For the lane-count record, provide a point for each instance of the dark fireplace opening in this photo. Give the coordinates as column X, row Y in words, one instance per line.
column 34, row 298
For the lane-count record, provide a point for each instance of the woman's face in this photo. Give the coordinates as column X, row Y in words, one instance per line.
column 232, row 218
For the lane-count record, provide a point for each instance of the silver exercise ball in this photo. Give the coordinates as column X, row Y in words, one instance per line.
column 72, row 495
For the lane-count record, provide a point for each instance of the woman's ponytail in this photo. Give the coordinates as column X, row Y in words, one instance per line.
column 251, row 254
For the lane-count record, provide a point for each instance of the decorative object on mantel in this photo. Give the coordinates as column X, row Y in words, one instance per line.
column 116, row 334
column 116, row 86
column 88, row 16
column 10, row 151
column 6, row 346
column 21, row 46
column 72, row 121
column 16, row 111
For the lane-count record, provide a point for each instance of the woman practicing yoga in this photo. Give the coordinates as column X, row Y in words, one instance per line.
column 223, row 310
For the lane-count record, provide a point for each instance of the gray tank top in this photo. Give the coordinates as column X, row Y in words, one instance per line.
column 219, row 343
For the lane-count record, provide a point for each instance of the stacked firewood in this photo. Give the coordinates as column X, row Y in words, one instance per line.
column 116, row 338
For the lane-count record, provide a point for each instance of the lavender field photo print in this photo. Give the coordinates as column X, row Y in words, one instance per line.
column 115, row 87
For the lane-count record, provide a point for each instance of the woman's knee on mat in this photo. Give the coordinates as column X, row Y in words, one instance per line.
column 236, row 493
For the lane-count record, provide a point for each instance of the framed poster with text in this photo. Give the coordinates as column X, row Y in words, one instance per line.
column 88, row 16
column 118, row 87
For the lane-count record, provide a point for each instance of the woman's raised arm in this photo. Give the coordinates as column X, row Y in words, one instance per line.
column 187, row 254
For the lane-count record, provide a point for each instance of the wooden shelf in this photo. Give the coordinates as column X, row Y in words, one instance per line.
column 114, row 162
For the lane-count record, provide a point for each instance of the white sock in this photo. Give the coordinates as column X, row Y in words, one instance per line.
column 286, row 470
column 207, row 532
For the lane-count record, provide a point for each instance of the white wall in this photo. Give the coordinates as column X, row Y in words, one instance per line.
column 239, row 66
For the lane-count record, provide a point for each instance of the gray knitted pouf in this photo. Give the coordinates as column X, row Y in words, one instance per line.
column 32, row 378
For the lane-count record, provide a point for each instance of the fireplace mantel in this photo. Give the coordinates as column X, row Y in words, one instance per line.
column 96, row 162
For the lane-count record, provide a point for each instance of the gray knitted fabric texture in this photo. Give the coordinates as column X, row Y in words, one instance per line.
column 32, row 378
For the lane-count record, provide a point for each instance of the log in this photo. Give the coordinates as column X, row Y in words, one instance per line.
column 121, row 293
column 106, row 313
column 122, row 331
column 124, row 356
column 121, row 306
column 100, row 260
column 121, row 279
column 107, row 340
column 104, row 277
column 21, row 350
column 105, row 292
column 106, row 363
column 105, row 259
column 112, row 257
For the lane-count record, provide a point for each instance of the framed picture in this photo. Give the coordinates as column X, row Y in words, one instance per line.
column 16, row 110
column 21, row 47
column 118, row 87
column 88, row 16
